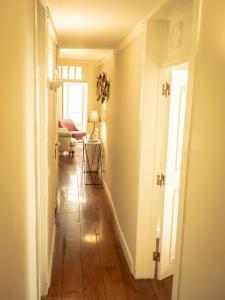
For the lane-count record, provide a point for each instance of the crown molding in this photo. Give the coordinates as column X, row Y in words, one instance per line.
column 138, row 28
column 51, row 26
column 43, row 3
column 107, row 58
column 131, row 36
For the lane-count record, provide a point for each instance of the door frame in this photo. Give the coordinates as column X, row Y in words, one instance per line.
column 160, row 210
column 146, row 229
column 41, row 152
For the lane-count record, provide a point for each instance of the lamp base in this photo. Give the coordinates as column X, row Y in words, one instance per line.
column 92, row 134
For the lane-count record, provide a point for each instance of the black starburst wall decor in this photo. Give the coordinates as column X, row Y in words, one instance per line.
column 102, row 88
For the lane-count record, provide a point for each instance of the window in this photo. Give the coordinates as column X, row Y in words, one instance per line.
column 78, row 73
column 69, row 72
column 75, row 103
column 64, row 72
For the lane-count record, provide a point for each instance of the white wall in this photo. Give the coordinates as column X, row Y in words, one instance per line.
column 120, row 135
column 202, row 269
column 17, row 189
column 52, row 138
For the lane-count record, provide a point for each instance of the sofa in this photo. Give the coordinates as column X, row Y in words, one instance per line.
column 69, row 124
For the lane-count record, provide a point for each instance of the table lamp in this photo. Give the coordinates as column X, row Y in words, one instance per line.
column 93, row 117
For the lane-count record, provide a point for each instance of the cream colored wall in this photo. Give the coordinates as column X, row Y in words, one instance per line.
column 52, row 138
column 17, row 184
column 120, row 135
column 202, row 269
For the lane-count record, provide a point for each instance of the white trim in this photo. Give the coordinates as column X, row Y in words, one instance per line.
column 179, row 59
column 44, row 3
column 180, row 11
column 132, row 35
column 41, row 164
column 51, row 26
column 50, row 263
column 196, row 26
column 137, row 29
column 146, row 229
column 122, row 239
column 107, row 58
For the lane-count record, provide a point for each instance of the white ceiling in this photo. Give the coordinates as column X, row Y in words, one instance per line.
column 85, row 54
column 96, row 24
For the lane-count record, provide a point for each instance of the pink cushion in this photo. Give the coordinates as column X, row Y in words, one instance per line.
column 78, row 134
column 68, row 123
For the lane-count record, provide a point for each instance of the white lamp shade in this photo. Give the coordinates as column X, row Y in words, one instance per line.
column 93, row 117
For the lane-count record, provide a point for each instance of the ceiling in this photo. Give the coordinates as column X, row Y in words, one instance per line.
column 85, row 54
column 96, row 24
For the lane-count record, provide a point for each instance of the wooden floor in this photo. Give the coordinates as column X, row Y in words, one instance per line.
column 88, row 260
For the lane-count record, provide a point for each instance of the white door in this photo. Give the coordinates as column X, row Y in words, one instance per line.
column 172, row 113
column 162, row 134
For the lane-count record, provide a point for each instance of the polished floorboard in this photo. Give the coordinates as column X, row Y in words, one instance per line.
column 88, row 260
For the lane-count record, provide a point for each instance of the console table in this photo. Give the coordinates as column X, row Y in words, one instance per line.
column 92, row 161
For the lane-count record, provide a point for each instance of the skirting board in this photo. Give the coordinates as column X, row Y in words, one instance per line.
column 122, row 239
column 51, row 257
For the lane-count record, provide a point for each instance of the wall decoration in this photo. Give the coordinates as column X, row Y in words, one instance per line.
column 176, row 35
column 102, row 88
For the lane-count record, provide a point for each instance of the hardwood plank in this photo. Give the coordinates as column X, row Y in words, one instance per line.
column 163, row 288
column 72, row 279
column 92, row 271
column 115, row 288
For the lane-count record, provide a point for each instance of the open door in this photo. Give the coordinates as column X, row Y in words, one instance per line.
column 169, row 145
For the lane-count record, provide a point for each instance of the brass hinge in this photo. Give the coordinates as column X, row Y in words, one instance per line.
column 156, row 256
column 166, row 89
column 161, row 179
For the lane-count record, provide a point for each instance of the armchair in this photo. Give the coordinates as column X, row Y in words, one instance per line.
column 66, row 142
column 69, row 124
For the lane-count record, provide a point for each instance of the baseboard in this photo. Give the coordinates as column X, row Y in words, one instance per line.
column 122, row 239
column 51, row 257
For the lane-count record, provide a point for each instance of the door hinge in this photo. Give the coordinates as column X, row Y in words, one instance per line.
column 166, row 89
column 161, row 179
column 156, row 256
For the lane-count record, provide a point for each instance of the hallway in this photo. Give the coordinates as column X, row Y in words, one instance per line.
column 88, row 259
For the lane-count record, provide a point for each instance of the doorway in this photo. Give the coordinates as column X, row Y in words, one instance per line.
column 75, row 103
column 169, row 145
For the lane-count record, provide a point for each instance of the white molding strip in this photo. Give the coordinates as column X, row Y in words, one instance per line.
column 176, row 59
column 50, row 263
column 51, row 26
column 107, row 58
column 122, row 239
column 132, row 35
column 138, row 28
